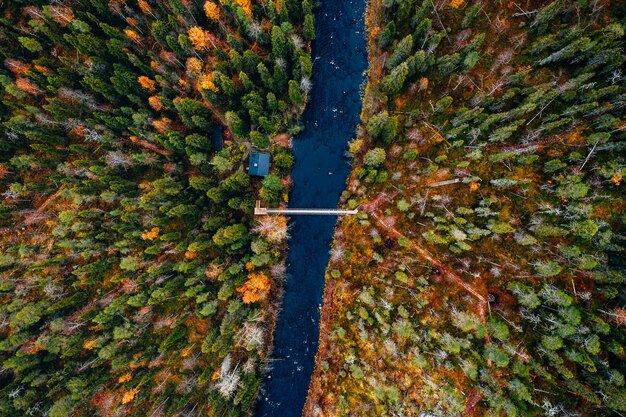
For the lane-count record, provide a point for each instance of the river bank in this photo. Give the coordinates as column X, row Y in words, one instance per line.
column 315, row 392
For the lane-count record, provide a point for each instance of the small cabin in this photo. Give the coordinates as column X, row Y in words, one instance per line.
column 259, row 164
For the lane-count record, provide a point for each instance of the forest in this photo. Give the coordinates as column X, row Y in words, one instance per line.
column 485, row 272
column 134, row 280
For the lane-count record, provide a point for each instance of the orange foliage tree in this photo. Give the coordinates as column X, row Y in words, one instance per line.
column 456, row 3
column 162, row 124
column 144, row 6
column 3, row 171
column 16, row 67
column 194, row 65
column 199, row 37
column 256, row 288
column 155, row 102
column 129, row 395
column 132, row 35
column 147, row 83
column 125, row 378
column 205, row 82
column 212, row 10
column 150, row 234
column 61, row 15
column 246, row 5
column 89, row 344
column 28, row 86
column 131, row 21
column 191, row 254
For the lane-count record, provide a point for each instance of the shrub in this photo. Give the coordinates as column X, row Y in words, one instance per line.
column 547, row 269
column 374, row 157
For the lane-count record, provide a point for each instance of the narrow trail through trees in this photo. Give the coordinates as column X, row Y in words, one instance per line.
column 451, row 276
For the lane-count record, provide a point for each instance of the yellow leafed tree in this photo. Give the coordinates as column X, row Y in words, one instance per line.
column 162, row 124
column 147, row 83
column 199, row 37
column 212, row 10
column 256, row 288
column 150, row 234
column 191, row 255
column 132, row 35
column 125, row 378
column 28, row 86
column 246, row 5
column 155, row 102
column 144, row 6
column 129, row 395
column 194, row 65
column 206, row 83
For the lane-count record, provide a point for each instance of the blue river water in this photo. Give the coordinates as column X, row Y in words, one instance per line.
column 319, row 177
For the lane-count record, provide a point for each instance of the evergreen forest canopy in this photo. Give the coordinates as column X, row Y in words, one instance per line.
column 485, row 272
column 483, row 276
column 133, row 280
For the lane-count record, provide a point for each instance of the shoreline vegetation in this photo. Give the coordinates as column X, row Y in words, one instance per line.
column 315, row 392
column 134, row 279
column 484, row 274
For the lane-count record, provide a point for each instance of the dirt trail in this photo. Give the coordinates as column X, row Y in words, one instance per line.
column 34, row 216
column 427, row 256
column 447, row 273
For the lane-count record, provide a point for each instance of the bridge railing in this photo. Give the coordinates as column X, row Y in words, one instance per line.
column 262, row 211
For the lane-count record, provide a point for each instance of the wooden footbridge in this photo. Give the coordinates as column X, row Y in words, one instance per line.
column 262, row 211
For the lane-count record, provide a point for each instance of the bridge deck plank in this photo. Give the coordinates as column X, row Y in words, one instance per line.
column 262, row 211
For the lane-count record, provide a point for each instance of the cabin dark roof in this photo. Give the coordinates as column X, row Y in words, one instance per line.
column 259, row 164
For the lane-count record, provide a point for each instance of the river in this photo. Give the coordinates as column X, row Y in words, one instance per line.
column 319, row 176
